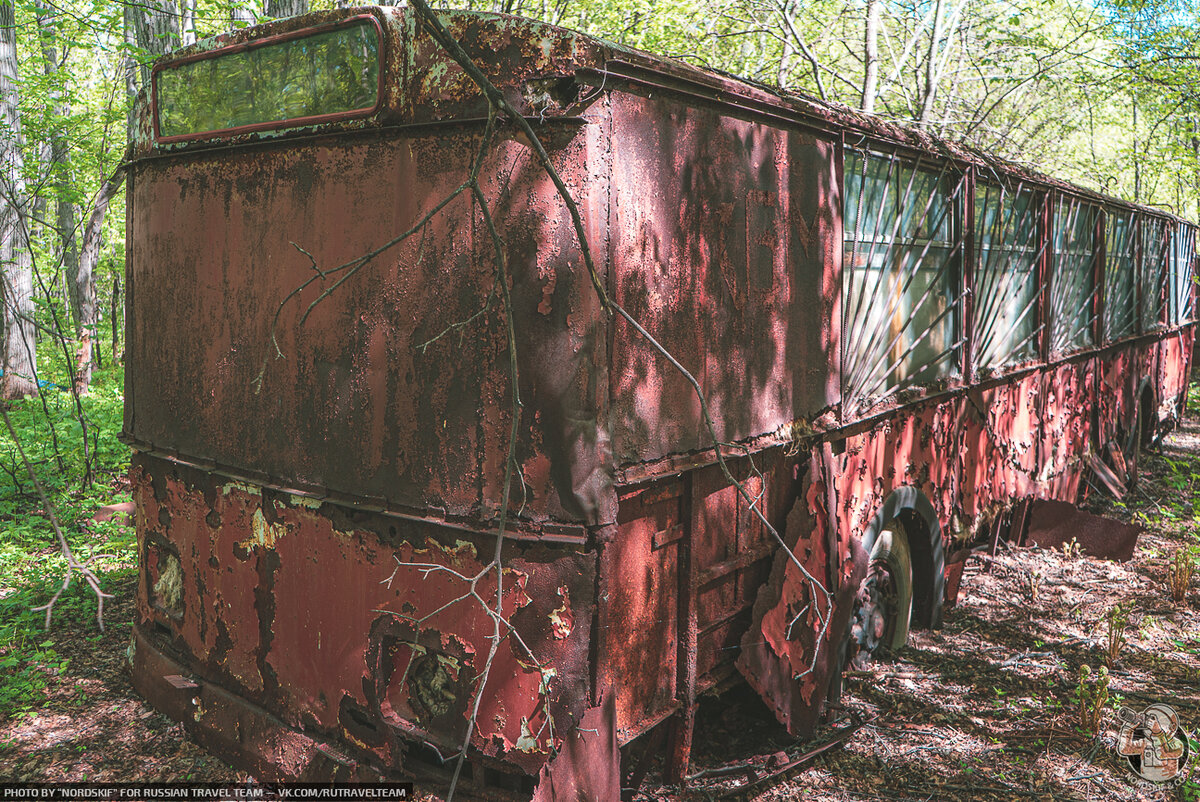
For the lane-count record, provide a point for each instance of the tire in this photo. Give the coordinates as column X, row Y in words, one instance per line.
column 884, row 603
column 891, row 548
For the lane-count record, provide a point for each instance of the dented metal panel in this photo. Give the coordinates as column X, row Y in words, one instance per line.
column 347, row 625
column 352, row 403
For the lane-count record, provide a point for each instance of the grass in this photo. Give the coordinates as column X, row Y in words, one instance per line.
column 31, row 564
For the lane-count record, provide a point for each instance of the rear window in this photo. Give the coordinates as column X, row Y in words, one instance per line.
column 295, row 79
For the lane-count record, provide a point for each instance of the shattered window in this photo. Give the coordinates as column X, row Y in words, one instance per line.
column 1183, row 252
column 1072, row 283
column 1153, row 272
column 1120, row 296
column 332, row 72
column 1006, row 276
column 900, row 275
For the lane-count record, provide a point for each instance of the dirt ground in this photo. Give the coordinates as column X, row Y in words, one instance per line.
column 985, row 708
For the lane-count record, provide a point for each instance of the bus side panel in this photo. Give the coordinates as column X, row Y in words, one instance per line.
column 686, row 564
column 641, row 638
column 915, row 448
column 1066, row 417
column 722, row 241
column 779, row 653
column 1174, row 357
column 1002, row 426
column 359, row 627
column 1116, row 400
column 732, row 550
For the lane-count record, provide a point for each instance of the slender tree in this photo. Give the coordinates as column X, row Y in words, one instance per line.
column 277, row 9
column 15, row 258
column 870, row 85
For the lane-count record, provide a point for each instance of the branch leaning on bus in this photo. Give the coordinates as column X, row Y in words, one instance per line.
column 496, row 99
column 346, row 270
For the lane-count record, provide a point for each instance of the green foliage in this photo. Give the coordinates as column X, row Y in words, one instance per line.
column 1180, row 569
column 31, row 563
column 1117, row 620
column 1091, row 696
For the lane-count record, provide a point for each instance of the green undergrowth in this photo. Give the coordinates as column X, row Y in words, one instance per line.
column 78, row 481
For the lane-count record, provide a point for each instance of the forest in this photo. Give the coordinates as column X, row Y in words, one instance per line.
column 1105, row 95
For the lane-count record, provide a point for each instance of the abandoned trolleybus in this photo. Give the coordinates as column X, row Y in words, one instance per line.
column 905, row 345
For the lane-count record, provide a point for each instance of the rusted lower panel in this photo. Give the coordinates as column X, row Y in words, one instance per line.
column 1068, row 396
column 588, row 767
column 641, row 572
column 1115, row 402
column 1173, row 352
column 777, row 655
column 355, row 627
column 1000, row 455
column 913, row 448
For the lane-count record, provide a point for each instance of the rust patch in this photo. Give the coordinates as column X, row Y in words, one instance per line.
column 1053, row 523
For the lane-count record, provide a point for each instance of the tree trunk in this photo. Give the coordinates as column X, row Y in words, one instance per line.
column 187, row 23
column 871, row 57
column 932, row 59
column 241, row 15
column 19, row 360
column 276, row 9
column 60, row 161
column 88, row 258
column 115, row 318
column 155, row 31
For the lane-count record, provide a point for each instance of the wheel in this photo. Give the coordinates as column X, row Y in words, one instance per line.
column 883, row 607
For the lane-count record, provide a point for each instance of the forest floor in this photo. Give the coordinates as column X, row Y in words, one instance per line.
column 985, row 708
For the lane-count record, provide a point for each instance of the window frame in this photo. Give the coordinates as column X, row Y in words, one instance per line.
column 268, row 41
column 899, row 246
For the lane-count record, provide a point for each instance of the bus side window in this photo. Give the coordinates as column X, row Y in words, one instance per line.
column 1183, row 252
column 900, row 283
column 1153, row 272
column 1120, row 296
column 1006, row 277
column 1072, row 311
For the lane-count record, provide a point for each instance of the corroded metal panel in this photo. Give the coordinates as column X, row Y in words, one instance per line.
column 723, row 248
column 353, row 625
column 1174, row 351
column 1000, row 444
column 641, row 568
column 1053, row 524
column 778, row 655
column 355, row 405
column 533, row 63
column 1066, row 420
column 914, row 448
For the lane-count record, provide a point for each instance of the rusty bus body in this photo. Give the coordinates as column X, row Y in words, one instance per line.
column 894, row 335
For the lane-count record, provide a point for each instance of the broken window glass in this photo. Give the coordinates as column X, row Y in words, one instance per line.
column 1120, row 287
column 1183, row 252
column 1153, row 272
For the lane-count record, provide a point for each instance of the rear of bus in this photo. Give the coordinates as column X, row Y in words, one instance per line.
column 321, row 409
